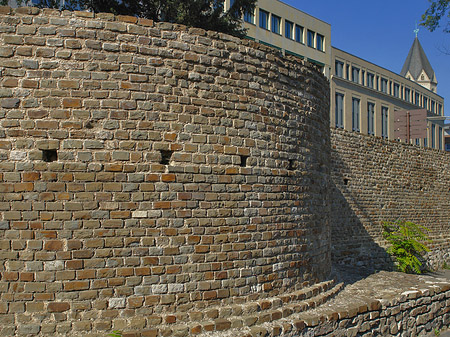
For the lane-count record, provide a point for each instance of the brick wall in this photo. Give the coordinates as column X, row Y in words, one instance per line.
column 148, row 169
column 375, row 180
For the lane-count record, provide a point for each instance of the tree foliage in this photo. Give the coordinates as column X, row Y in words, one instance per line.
column 407, row 247
column 438, row 11
column 206, row 14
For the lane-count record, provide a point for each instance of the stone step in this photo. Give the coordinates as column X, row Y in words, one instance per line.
column 237, row 319
column 257, row 319
column 257, row 306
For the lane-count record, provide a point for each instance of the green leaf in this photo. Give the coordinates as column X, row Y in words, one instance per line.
column 407, row 244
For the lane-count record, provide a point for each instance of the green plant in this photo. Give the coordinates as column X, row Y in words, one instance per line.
column 437, row 332
column 115, row 333
column 407, row 244
column 446, row 266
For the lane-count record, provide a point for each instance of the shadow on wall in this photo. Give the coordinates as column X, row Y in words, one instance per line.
column 352, row 242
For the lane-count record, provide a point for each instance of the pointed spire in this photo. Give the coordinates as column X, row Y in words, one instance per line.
column 417, row 64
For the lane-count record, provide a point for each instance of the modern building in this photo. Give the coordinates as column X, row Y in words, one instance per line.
column 447, row 137
column 291, row 31
column 367, row 98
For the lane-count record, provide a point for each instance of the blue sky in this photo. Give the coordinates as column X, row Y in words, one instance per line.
column 382, row 32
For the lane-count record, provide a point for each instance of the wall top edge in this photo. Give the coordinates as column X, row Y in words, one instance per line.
column 149, row 24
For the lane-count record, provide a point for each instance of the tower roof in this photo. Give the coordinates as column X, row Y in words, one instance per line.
column 416, row 62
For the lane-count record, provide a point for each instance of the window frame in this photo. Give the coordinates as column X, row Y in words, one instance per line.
column 371, row 118
column 275, row 24
column 356, row 113
column 433, row 135
column 288, row 29
column 370, row 80
column 384, row 121
column 249, row 17
column 396, row 92
column 339, row 110
column 310, row 38
column 320, row 42
column 384, row 83
column 407, row 94
column 299, row 37
column 355, row 70
column 341, row 67
column 264, row 21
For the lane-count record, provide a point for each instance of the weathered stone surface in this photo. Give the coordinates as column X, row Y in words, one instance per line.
column 376, row 180
column 139, row 183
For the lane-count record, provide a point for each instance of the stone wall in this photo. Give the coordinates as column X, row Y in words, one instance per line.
column 412, row 312
column 375, row 180
column 150, row 170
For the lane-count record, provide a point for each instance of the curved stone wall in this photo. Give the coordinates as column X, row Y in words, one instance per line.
column 151, row 168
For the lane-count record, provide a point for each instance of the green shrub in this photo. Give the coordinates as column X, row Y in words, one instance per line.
column 407, row 247
column 115, row 333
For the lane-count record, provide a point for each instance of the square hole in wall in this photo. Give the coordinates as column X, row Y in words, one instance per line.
column 166, row 155
column 243, row 161
column 49, row 155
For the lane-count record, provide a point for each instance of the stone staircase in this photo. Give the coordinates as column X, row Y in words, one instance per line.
column 236, row 319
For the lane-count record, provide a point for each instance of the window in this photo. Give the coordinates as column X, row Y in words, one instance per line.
column 231, row 3
column 370, row 80
column 417, row 141
column 371, row 118
column 249, row 17
column 276, row 24
column 433, row 106
column 384, row 85
column 425, row 142
column 384, row 121
column 425, row 102
column 339, row 68
column 433, row 136
column 299, row 33
column 310, row 38
column 263, row 19
column 355, row 74
column 440, row 109
column 440, row 138
column 347, row 69
column 289, row 30
column 407, row 95
column 340, row 111
column 417, row 99
column 355, row 114
column 396, row 90
column 320, row 42
column 363, row 76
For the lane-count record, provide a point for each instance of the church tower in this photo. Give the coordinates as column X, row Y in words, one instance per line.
column 417, row 67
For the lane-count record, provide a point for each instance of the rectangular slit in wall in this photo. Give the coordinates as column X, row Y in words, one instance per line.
column 292, row 165
column 49, row 155
column 243, row 161
column 166, row 155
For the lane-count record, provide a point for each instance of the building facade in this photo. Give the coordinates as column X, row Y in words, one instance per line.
column 291, row 31
column 365, row 98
